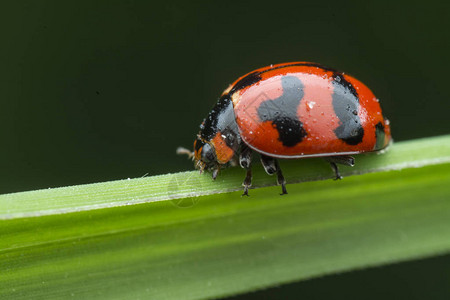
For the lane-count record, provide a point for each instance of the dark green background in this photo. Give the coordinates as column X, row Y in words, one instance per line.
column 94, row 91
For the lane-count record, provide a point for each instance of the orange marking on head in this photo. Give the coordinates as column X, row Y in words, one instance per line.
column 197, row 153
column 223, row 152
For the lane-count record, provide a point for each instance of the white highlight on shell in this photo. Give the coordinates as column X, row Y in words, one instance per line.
column 311, row 104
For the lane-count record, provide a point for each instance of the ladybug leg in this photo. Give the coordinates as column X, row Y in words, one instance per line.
column 245, row 160
column 343, row 160
column 280, row 179
column 336, row 171
column 215, row 172
column 271, row 167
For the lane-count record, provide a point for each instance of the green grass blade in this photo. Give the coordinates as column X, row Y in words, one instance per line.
column 223, row 244
column 402, row 155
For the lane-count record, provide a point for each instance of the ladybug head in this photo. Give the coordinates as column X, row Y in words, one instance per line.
column 218, row 140
column 205, row 156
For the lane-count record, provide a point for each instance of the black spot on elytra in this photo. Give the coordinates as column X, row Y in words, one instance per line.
column 379, row 135
column 346, row 105
column 340, row 79
column 282, row 112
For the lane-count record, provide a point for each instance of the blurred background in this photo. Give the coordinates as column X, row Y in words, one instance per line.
column 93, row 91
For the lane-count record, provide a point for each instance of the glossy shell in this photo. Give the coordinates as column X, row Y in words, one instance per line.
column 302, row 109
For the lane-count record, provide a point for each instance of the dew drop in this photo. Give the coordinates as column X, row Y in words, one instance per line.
column 310, row 105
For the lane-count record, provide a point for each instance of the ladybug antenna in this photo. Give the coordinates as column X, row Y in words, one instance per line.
column 184, row 151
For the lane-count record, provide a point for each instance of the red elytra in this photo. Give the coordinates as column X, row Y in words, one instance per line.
column 291, row 110
column 315, row 110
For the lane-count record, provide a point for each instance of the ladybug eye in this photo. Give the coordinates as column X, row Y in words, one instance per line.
column 208, row 154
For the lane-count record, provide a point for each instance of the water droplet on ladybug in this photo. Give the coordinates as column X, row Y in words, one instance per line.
column 310, row 105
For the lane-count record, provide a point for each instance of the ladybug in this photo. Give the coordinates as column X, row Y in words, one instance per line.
column 290, row 111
